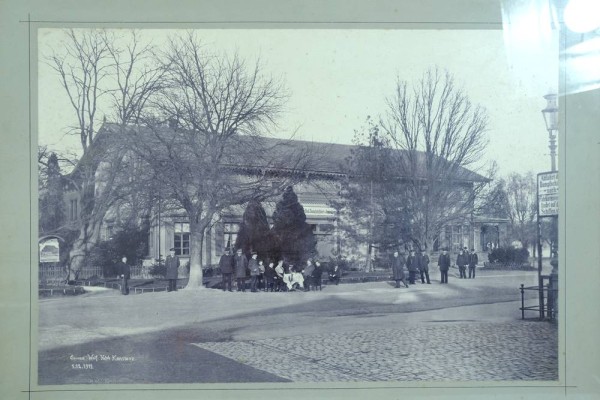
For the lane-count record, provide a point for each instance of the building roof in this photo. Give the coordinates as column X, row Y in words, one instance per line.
column 328, row 158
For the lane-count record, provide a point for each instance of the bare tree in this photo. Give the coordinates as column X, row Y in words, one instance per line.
column 82, row 66
column 214, row 154
column 90, row 67
column 372, row 206
column 137, row 73
column 521, row 195
column 439, row 134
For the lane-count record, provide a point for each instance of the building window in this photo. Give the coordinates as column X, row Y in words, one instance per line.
column 436, row 243
column 230, row 232
column 181, row 240
column 457, row 238
column 73, row 210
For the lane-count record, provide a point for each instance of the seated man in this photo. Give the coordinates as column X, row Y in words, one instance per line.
column 335, row 274
column 293, row 280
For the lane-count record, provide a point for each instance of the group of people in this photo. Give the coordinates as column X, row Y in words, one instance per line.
column 272, row 277
column 419, row 263
column 279, row 277
column 464, row 260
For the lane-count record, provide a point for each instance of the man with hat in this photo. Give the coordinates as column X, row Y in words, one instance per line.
column 172, row 266
column 423, row 265
column 307, row 274
column 462, row 260
column 444, row 264
column 473, row 260
column 317, row 276
column 226, row 267
column 398, row 262
column 241, row 265
column 411, row 264
column 124, row 272
column 254, row 271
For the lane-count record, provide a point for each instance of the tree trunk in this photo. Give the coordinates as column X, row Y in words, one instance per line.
column 429, row 244
column 88, row 237
column 196, row 239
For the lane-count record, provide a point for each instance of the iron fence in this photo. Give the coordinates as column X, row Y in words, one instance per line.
column 52, row 273
column 547, row 304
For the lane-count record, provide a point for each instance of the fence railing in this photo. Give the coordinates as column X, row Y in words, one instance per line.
column 51, row 273
column 547, row 301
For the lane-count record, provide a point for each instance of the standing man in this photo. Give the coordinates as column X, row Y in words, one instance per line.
column 317, row 276
column 462, row 260
column 254, row 271
column 307, row 274
column 444, row 264
column 411, row 264
column 241, row 265
column 423, row 265
column 172, row 265
column 473, row 260
column 226, row 266
column 124, row 273
column 398, row 262
column 261, row 276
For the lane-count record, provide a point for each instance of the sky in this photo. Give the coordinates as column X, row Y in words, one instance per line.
column 338, row 77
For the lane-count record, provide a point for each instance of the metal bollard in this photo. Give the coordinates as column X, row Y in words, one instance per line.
column 522, row 301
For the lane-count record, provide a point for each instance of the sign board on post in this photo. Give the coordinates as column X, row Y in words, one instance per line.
column 49, row 250
column 547, row 188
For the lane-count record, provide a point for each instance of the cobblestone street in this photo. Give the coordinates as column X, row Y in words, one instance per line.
column 438, row 352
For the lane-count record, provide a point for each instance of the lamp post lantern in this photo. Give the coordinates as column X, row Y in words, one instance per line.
column 550, row 114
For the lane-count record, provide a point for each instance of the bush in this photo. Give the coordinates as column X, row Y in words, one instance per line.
column 509, row 256
column 158, row 268
column 130, row 242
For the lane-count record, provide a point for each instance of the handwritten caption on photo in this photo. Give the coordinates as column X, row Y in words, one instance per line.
column 86, row 362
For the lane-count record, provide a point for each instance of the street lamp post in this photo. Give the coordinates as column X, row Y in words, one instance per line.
column 550, row 114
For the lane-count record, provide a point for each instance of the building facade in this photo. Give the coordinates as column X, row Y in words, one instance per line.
column 317, row 192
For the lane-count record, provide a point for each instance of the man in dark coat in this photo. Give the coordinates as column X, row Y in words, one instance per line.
column 226, row 267
column 462, row 260
column 411, row 264
column 398, row 262
column 172, row 265
column 444, row 264
column 270, row 277
column 423, row 265
column 307, row 273
column 254, row 271
column 124, row 273
column 241, row 267
column 335, row 274
column 317, row 276
column 473, row 260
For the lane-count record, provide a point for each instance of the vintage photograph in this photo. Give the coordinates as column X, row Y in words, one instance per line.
column 297, row 205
